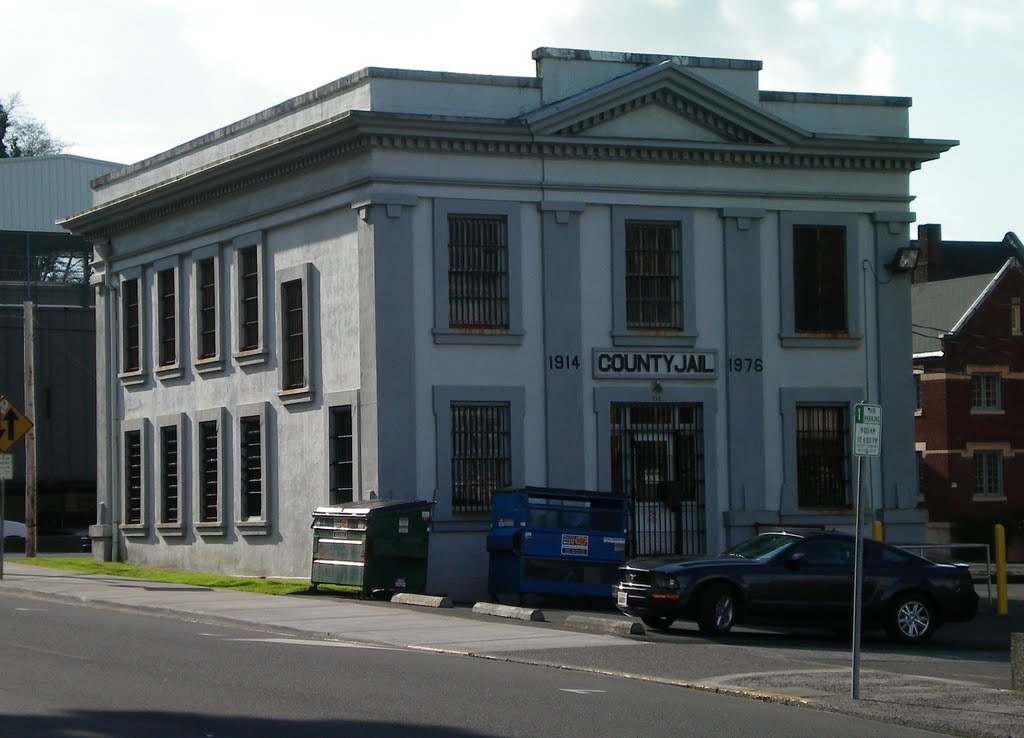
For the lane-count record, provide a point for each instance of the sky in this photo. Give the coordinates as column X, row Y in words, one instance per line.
column 122, row 80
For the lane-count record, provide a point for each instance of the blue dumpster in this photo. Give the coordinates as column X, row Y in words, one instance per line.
column 556, row 542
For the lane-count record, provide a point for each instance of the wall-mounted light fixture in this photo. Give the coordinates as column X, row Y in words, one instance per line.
column 905, row 259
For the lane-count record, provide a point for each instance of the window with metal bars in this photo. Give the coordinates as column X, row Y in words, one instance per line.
column 169, row 499
column 249, row 298
column 167, row 316
column 988, row 473
column 133, row 477
column 209, row 472
column 251, row 459
column 293, row 339
column 819, row 279
column 130, row 329
column 652, row 276
column 822, row 457
column 481, row 454
column 206, row 297
column 478, row 284
column 985, row 391
column 341, row 463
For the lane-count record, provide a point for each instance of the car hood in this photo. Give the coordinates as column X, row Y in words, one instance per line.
column 678, row 563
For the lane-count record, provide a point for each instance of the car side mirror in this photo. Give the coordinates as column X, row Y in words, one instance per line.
column 796, row 560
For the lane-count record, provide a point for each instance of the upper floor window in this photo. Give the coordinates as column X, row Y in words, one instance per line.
column 167, row 317
column 1015, row 325
column 652, row 276
column 478, row 276
column 917, row 390
column 985, row 391
column 653, row 284
column 131, row 360
column 206, row 308
column 822, row 456
column 293, row 351
column 294, row 286
column 819, row 279
column 988, row 473
column 248, row 299
column 481, row 454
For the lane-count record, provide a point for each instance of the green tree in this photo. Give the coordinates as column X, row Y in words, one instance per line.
column 23, row 135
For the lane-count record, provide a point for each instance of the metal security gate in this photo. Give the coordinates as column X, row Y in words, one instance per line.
column 658, row 465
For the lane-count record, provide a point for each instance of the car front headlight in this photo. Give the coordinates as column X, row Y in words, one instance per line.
column 664, row 581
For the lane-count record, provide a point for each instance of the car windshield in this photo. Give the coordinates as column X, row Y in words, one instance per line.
column 761, row 546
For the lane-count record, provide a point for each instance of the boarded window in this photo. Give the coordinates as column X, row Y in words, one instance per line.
column 823, row 464
column 207, row 308
column 292, row 343
column 819, row 279
column 209, row 472
column 481, row 454
column 652, row 276
column 249, row 299
column 167, row 316
column 478, row 291
column 251, row 458
column 130, row 329
column 169, row 497
column 133, row 477
column 341, row 462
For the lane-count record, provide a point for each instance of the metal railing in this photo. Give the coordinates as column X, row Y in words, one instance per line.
column 920, row 547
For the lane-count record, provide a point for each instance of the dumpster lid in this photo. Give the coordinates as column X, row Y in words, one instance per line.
column 556, row 493
column 368, row 507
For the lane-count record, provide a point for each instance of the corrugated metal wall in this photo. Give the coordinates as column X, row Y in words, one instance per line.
column 37, row 190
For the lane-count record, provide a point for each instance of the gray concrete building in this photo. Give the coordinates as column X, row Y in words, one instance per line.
column 630, row 273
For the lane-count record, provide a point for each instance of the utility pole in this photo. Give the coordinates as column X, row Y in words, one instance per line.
column 30, row 437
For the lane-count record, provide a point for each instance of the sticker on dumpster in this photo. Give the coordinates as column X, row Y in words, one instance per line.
column 400, row 583
column 403, row 525
column 575, row 545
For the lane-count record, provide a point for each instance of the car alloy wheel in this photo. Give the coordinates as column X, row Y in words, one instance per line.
column 717, row 610
column 911, row 619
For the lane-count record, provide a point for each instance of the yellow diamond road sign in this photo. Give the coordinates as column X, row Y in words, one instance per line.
column 13, row 425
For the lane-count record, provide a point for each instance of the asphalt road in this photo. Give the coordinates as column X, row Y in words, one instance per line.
column 75, row 671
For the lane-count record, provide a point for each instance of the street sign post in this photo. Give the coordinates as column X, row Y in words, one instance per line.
column 867, row 430
column 867, row 441
column 6, row 472
column 13, row 425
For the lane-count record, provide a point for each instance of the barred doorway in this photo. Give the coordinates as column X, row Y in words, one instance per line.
column 657, row 457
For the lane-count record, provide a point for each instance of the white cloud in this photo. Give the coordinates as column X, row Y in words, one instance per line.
column 803, row 10
column 877, row 70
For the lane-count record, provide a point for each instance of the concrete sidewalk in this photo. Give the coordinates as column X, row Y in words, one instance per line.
column 892, row 689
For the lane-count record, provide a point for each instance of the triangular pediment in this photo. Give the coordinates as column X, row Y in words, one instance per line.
column 664, row 101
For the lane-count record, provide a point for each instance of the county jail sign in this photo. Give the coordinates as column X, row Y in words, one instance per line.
column 657, row 364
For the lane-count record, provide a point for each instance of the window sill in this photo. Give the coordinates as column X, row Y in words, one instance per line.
column 988, row 498
column 653, row 338
column 295, row 396
column 508, row 338
column 253, row 527
column 210, row 529
column 209, row 366
column 170, row 530
column 819, row 341
column 171, row 371
column 134, row 530
column 987, row 411
column 251, row 357
column 132, row 378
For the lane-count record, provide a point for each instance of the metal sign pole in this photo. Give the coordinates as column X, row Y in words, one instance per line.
column 3, row 496
column 858, row 580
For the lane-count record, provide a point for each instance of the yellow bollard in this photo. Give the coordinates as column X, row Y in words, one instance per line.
column 1002, row 604
column 876, row 530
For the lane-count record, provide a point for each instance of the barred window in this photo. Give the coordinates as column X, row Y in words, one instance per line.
column 481, row 454
column 985, row 392
column 341, row 463
column 251, row 459
column 133, row 477
column 819, row 279
column 823, row 464
column 209, row 481
column 652, row 276
column 130, row 329
column 249, row 299
column 988, row 473
column 169, row 498
column 292, row 344
column 206, row 297
column 478, row 265
column 166, row 319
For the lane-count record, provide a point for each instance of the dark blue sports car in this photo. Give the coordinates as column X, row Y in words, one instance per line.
column 789, row 579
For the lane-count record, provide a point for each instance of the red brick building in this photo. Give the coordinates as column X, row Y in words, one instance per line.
column 969, row 369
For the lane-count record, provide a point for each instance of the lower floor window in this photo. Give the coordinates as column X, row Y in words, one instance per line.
column 481, row 454
column 988, row 473
column 209, row 466
column 822, row 457
column 169, row 474
column 133, row 477
column 251, row 457
column 341, row 485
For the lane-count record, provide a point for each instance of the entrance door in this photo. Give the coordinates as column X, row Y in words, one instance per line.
column 658, row 464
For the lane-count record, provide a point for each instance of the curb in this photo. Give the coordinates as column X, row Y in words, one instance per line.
column 585, row 624
column 508, row 611
column 409, row 598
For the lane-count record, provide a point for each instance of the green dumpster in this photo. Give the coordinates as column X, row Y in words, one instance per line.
column 376, row 545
